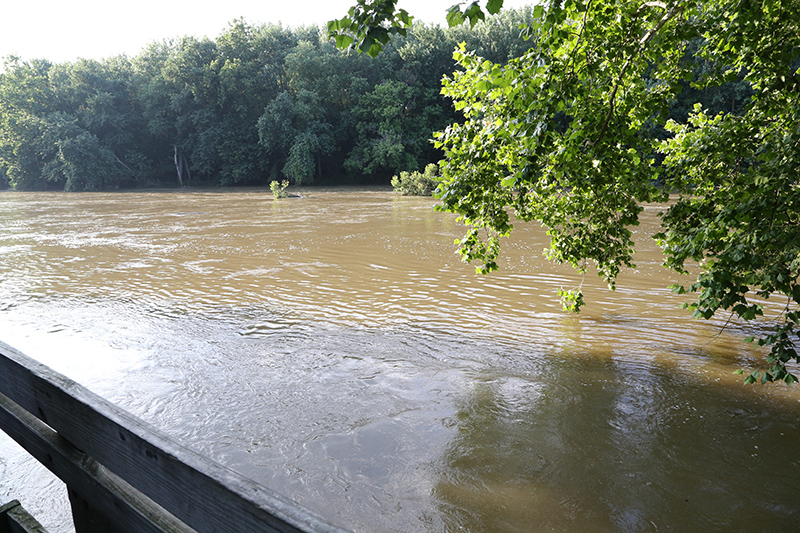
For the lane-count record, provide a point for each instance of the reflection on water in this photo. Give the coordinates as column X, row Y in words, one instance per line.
column 335, row 349
column 640, row 449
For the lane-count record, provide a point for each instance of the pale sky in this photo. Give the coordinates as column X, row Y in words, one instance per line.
column 63, row 30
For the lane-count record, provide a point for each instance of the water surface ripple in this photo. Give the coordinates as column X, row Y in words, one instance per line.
column 335, row 349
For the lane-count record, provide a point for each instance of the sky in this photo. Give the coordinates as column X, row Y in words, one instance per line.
column 61, row 30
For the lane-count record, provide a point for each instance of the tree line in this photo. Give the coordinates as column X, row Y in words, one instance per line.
column 261, row 102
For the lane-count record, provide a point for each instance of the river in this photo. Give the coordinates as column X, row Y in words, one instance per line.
column 336, row 350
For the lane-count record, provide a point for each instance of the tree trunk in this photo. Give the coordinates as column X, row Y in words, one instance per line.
column 178, row 164
column 121, row 163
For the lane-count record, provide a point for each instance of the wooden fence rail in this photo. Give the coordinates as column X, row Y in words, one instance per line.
column 124, row 475
column 15, row 519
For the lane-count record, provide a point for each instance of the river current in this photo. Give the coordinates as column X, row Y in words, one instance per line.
column 336, row 350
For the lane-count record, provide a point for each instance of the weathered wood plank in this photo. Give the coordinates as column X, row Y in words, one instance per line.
column 87, row 518
column 198, row 491
column 15, row 519
column 111, row 496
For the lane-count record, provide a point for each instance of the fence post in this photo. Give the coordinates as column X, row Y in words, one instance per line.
column 88, row 519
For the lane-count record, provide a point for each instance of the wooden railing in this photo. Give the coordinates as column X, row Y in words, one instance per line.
column 15, row 519
column 122, row 474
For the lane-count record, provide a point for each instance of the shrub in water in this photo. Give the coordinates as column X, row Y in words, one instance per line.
column 279, row 189
column 416, row 183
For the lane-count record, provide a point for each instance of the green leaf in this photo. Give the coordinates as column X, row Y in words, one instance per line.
column 380, row 34
column 509, row 182
column 572, row 300
column 343, row 41
column 677, row 288
column 454, row 16
column 405, row 18
column 494, row 6
column 339, row 24
column 474, row 13
column 366, row 44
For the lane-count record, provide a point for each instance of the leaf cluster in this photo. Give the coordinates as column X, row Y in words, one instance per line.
column 369, row 25
column 575, row 134
column 458, row 13
column 552, row 135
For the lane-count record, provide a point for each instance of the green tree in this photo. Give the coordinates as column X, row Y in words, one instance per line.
column 100, row 95
column 326, row 86
column 245, row 86
column 369, row 25
column 202, row 100
column 25, row 95
column 81, row 162
column 294, row 129
column 62, row 122
column 394, row 122
column 556, row 136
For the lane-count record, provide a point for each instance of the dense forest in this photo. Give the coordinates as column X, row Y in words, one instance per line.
column 259, row 103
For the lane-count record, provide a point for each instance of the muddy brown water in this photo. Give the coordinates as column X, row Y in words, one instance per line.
column 335, row 349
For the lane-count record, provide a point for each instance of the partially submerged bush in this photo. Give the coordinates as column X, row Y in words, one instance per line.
column 416, row 183
column 279, row 189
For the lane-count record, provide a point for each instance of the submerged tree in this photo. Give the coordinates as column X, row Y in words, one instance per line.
column 557, row 136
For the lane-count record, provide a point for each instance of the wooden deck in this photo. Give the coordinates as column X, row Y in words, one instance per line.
column 122, row 474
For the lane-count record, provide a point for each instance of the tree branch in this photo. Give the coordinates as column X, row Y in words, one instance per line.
column 646, row 38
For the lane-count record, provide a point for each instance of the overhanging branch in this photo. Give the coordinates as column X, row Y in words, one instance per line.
column 646, row 38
